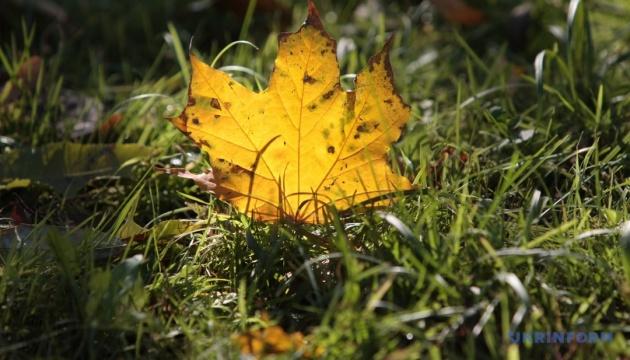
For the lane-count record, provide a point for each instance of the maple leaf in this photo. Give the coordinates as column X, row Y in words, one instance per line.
column 304, row 142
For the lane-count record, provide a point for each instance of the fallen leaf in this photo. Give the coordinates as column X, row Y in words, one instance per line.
column 14, row 184
column 457, row 11
column 67, row 167
column 303, row 143
column 110, row 124
column 165, row 230
column 271, row 340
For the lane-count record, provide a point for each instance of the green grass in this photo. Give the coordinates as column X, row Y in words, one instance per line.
column 520, row 157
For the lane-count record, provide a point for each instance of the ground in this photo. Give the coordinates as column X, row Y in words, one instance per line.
column 518, row 222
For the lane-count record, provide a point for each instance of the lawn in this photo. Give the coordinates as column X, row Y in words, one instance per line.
column 518, row 223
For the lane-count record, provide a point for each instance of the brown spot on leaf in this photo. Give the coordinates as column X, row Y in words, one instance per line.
column 227, row 105
column 195, row 121
column 331, row 149
column 357, row 135
column 216, row 116
column 191, row 101
column 308, row 79
column 388, row 101
column 363, row 128
column 312, row 107
column 214, row 102
column 328, row 94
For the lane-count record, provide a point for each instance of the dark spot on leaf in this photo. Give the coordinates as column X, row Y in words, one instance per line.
column 362, row 128
column 388, row 101
column 195, row 121
column 331, row 149
column 312, row 107
column 327, row 95
column 323, row 51
column 309, row 79
column 215, row 103
column 191, row 101
column 216, row 116
column 184, row 117
column 357, row 135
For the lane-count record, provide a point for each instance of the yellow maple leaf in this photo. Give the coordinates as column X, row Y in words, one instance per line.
column 304, row 142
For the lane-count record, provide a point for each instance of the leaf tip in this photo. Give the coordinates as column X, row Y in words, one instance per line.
column 388, row 43
column 383, row 55
column 313, row 17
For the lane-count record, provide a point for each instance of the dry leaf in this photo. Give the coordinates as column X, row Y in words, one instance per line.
column 303, row 143
column 457, row 11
